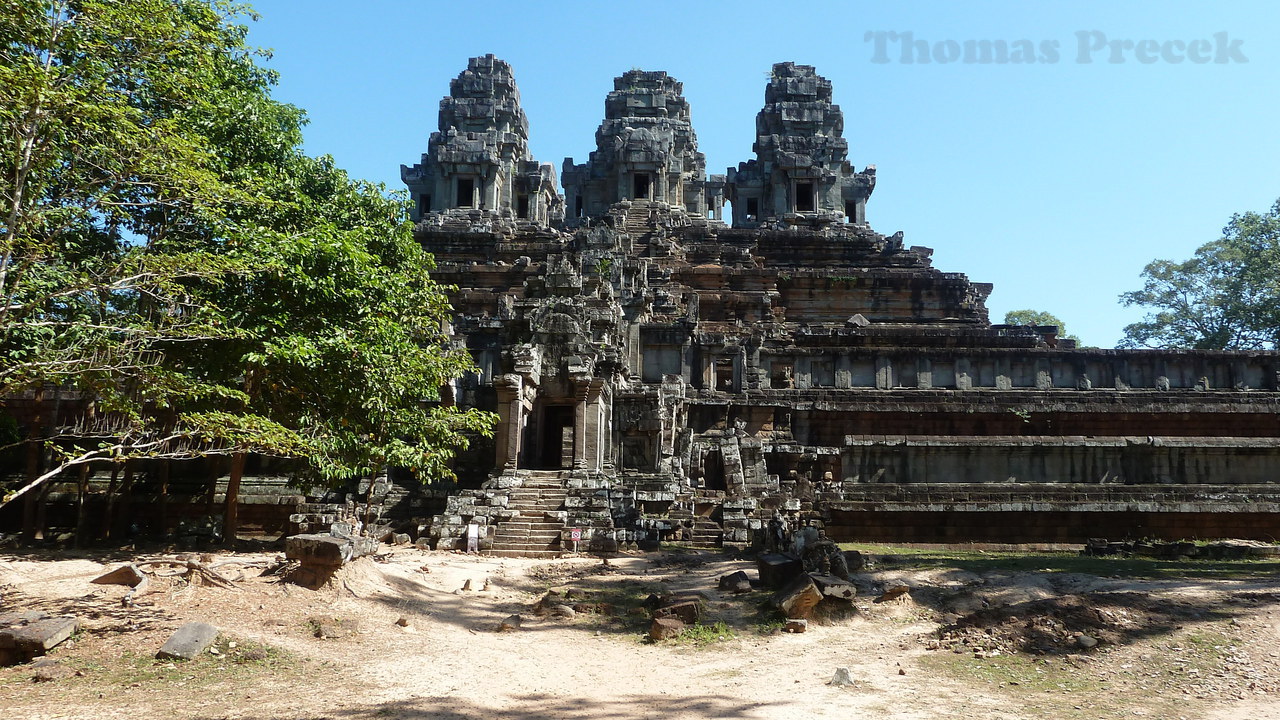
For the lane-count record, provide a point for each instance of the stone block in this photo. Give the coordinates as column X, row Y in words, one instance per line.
column 128, row 575
column 326, row 550
column 736, row 582
column 777, row 569
column 833, row 587
column 188, row 641
column 687, row 611
column 38, row 636
column 665, row 628
column 798, row 598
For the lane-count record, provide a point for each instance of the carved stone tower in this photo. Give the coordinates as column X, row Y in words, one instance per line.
column 801, row 175
column 477, row 165
column 646, row 151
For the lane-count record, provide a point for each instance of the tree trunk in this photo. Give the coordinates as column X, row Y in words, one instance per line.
column 42, row 511
column 164, row 498
column 125, row 516
column 230, row 515
column 82, row 489
column 33, row 468
column 105, row 530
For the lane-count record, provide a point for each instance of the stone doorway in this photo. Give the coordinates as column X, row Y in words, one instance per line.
column 713, row 471
column 641, row 186
column 553, row 449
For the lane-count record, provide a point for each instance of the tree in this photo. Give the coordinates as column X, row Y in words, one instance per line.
column 1225, row 297
column 171, row 259
column 1038, row 317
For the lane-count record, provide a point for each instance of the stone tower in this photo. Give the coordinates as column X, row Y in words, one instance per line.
column 646, row 151
column 477, row 166
column 801, row 174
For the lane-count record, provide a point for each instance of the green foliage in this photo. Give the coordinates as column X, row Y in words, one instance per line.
column 1225, row 297
column 1037, row 318
column 171, row 258
column 706, row 634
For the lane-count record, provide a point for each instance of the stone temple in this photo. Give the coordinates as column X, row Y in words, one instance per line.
column 663, row 372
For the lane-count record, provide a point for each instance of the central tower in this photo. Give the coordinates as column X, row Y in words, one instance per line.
column 646, row 151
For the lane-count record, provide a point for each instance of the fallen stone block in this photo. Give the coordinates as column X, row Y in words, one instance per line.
column 796, row 625
column 736, row 582
column 893, row 590
column 128, row 575
column 833, row 587
column 188, row 641
column 688, row 611
column 778, row 569
column 327, row 550
column 38, row 636
column 798, row 599
column 665, row 628
column 511, row 624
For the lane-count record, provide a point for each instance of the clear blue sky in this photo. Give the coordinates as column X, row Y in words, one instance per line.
column 1057, row 181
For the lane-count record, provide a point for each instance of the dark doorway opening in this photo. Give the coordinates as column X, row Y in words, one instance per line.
column 804, row 197
column 424, row 204
column 641, row 186
column 753, row 209
column 466, row 192
column 555, row 442
column 522, row 207
column 713, row 471
column 577, row 206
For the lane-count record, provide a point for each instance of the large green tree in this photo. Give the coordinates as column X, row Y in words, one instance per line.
column 1038, row 317
column 1225, row 297
column 172, row 262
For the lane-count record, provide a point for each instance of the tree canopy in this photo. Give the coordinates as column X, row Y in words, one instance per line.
column 1225, row 297
column 1038, row 317
column 171, row 260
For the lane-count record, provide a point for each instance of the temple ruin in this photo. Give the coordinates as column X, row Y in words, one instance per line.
column 718, row 359
column 662, row 373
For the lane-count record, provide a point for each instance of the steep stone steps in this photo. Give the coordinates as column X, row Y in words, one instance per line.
column 707, row 534
column 531, row 534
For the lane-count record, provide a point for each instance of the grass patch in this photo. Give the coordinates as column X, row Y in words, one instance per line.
column 980, row 561
column 701, row 635
column 1039, row 689
column 236, row 660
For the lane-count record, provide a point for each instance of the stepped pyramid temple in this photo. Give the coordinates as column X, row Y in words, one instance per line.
column 664, row 372
column 719, row 359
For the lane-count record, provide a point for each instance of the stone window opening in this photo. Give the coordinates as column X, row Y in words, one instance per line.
column 522, row 207
column 804, row 197
column 753, row 209
column 424, row 204
column 640, row 187
column 783, row 376
column 724, row 374
column 577, row 206
column 466, row 192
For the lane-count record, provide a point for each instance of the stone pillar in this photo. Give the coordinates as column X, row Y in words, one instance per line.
column 964, row 374
column 593, row 439
column 924, row 374
column 510, row 420
column 885, row 379
column 580, row 426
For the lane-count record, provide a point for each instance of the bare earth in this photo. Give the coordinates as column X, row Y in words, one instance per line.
column 955, row 647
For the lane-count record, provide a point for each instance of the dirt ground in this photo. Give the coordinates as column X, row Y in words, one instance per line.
column 405, row 640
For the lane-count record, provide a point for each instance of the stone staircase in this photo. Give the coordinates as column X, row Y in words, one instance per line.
column 707, row 534
column 637, row 224
column 533, row 533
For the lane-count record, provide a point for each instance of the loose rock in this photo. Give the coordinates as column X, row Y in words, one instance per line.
column 188, row 641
